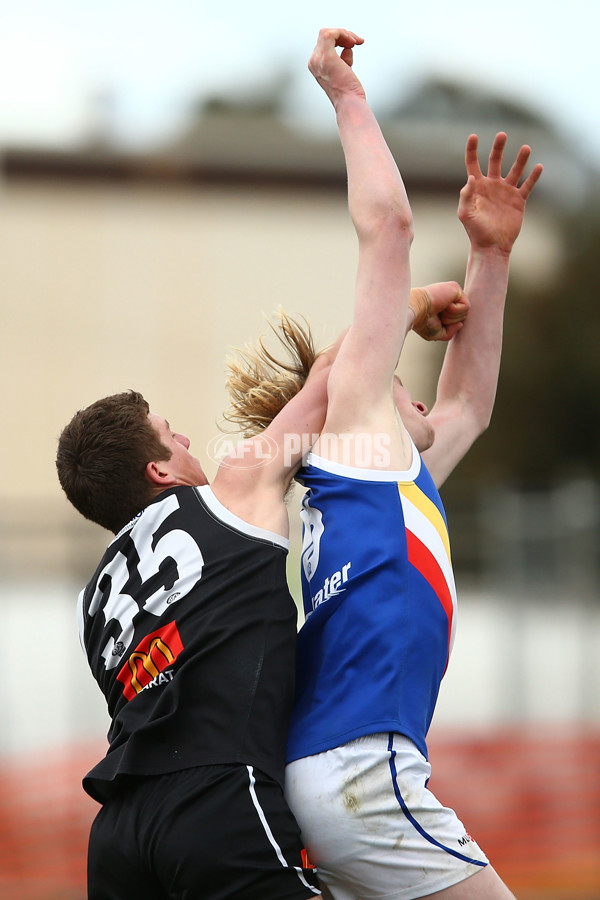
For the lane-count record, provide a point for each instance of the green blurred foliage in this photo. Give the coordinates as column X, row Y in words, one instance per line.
column 546, row 421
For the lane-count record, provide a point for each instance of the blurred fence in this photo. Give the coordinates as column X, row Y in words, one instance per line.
column 531, row 800
column 44, row 824
column 515, row 745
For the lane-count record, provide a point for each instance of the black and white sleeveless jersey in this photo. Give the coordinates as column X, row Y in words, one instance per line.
column 190, row 631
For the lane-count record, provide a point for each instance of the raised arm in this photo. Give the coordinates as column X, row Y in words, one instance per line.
column 352, row 383
column 359, row 385
column 491, row 208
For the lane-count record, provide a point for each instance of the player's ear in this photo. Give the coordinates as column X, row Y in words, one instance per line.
column 158, row 473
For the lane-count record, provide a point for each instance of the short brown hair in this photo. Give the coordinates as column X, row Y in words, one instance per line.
column 102, row 457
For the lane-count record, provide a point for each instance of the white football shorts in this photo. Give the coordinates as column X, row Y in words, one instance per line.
column 371, row 826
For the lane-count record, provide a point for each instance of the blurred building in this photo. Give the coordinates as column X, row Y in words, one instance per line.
column 140, row 271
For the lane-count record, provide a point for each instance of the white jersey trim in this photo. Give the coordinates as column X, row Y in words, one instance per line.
column 270, row 836
column 336, row 468
column 228, row 518
column 80, row 620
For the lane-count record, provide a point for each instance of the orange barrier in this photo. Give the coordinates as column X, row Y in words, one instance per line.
column 531, row 800
column 45, row 818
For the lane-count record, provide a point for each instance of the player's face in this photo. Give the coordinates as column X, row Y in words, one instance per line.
column 414, row 416
column 182, row 465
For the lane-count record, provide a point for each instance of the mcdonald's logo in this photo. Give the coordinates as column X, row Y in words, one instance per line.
column 152, row 655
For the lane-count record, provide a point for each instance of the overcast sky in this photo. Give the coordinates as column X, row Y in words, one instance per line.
column 155, row 58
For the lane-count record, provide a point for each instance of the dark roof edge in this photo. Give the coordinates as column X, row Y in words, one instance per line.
column 44, row 164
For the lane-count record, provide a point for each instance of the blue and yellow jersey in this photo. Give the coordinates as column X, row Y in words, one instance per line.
column 379, row 600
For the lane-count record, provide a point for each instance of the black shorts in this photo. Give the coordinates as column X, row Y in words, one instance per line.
column 210, row 833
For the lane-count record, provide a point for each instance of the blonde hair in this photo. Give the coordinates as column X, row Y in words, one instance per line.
column 260, row 383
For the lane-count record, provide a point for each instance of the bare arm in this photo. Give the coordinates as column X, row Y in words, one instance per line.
column 359, row 386
column 382, row 218
column 491, row 209
column 252, row 481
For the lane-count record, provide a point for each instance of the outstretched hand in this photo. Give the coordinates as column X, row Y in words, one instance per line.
column 491, row 207
column 334, row 71
column 439, row 310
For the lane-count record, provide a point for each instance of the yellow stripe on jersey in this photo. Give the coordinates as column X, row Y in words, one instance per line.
column 426, row 506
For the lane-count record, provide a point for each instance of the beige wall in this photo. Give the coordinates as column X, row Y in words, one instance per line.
column 106, row 287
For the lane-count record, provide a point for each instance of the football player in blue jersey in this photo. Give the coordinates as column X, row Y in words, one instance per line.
column 378, row 589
